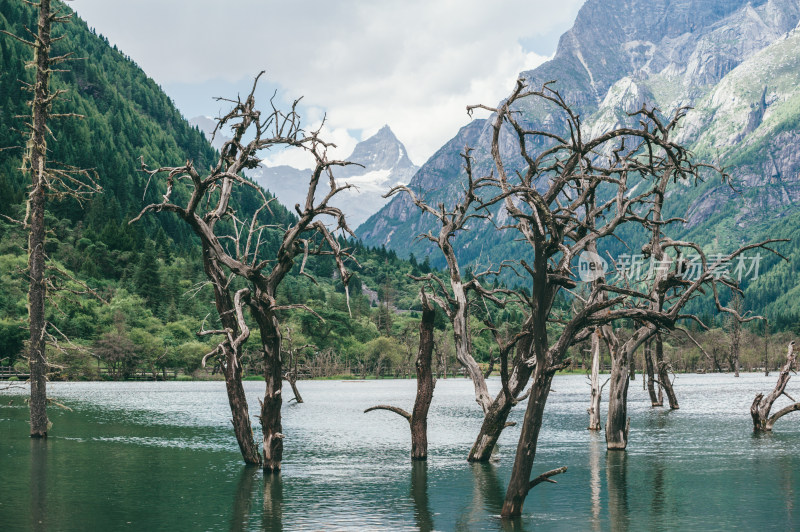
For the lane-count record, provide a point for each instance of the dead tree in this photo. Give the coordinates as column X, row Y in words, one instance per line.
column 760, row 409
column 49, row 180
column 656, row 397
column 418, row 418
column 618, row 422
column 232, row 250
column 597, row 336
column 455, row 299
column 570, row 195
column 594, row 406
column 36, row 159
column 290, row 375
column 663, row 368
column 515, row 372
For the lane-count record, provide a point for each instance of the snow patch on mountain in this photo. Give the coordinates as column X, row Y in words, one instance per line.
column 381, row 162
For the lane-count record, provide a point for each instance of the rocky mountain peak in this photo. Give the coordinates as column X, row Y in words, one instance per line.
column 381, row 151
column 384, row 163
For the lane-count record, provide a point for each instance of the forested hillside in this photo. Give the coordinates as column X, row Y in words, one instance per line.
column 148, row 275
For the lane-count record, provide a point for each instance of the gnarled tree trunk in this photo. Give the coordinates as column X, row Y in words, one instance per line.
column 632, row 367
column 232, row 369
column 425, row 384
column 271, row 427
column 418, row 418
column 663, row 374
column 618, row 423
column 656, row 399
column 520, row 483
column 760, row 409
column 495, row 419
column 291, row 378
column 463, row 343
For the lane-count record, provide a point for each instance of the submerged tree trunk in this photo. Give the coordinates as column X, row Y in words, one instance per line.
column 242, row 427
column 36, row 159
column 291, row 378
column 232, row 369
column 418, row 418
column 656, row 399
column 618, row 422
column 495, row 419
column 271, row 427
column 594, row 406
column 425, row 384
column 520, row 483
column 759, row 410
column 663, row 374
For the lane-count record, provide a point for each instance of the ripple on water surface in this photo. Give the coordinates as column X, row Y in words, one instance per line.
column 162, row 456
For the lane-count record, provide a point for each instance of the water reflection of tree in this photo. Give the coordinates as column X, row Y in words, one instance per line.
column 787, row 486
column 487, row 496
column 656, row 423
column 617, row 482
column 419, row 494
column 596, row 448
column 273, row 503
column 244, row 499
column 272, row 512
column 38, row 484
column 488, row 493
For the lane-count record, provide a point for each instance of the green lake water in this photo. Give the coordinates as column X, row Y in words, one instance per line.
column 162, row 456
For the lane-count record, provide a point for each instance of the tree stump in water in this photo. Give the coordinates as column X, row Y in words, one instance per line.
column 759, row 410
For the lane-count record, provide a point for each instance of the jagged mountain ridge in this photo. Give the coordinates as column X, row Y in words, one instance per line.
column 383, row 162
column 618, row 55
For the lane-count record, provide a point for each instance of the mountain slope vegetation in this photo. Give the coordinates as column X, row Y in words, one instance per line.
column 149, row 274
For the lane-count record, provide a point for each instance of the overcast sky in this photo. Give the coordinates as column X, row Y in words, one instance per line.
column 412, row 64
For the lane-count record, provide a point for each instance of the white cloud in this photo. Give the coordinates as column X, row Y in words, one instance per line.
column 303, row 160
column 414, row 65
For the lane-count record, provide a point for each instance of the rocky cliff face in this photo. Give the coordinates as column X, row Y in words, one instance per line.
column 398, row 223
column 735, row 60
